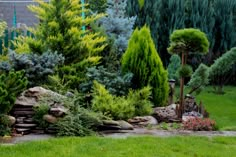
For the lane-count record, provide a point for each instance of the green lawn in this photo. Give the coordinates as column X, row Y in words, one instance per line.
column 130, row 147
column 222, row 108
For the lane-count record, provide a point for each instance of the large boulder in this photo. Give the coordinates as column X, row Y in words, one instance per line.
column 166, row 114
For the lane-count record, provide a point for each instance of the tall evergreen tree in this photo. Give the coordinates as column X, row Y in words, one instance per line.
column 142, row 59
column 224, row 28
column 117, row 24
column 162, row 16
column 60, row 29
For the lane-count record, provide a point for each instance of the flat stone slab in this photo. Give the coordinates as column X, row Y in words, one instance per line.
column 26, row 125
column 24, row 113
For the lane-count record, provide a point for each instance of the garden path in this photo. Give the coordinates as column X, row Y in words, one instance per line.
column 124, row 134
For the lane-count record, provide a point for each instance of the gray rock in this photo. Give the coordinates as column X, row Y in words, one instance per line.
column 110, row 122
column 50, row 119
column 125, row 125
column 143, row 121
column 22, row 113
column 165, row 114
column 58, row 111
column 12, row 120
column 25, row 101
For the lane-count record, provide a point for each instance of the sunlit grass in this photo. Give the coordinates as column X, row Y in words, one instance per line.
column 130, row 147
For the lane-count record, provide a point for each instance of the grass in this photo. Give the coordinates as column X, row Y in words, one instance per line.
column 222, row 108
column 130, row 147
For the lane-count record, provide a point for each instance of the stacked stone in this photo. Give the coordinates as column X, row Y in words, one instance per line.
column 23, row 113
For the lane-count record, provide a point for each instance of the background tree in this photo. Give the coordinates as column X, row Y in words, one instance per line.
column 141, row 58
column 221, row 70
column 173, row 67
column 186, row 41
column 118, row 25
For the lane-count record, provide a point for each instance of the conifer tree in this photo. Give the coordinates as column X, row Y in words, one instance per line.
column 224, row 28
column 185, row 41
column 118, row 25
column 142, row 59
column 199, row 79
column 60, row 29
column 220, row 71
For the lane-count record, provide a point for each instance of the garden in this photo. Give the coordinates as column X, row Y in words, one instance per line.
column 119, row 66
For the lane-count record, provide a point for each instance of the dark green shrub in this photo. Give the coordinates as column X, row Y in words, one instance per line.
column 141, row 58
column 40, row 111
column 135, row 104
column 11, row 85
column 116, row 83
column 185, row 71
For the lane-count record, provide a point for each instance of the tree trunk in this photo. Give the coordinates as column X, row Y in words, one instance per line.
column 182, row 90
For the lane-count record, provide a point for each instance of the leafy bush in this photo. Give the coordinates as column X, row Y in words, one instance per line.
column 36, row 67
column 4, row 128
column 175, row 63
column 40, row 111
column 199, row 79
column 140, row 99
column 199, row 124
column 142, row 59
column 11, row 85
column 113, row 81
column 136, row 103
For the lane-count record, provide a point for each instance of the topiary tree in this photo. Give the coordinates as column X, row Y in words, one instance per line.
column 220, row 72
column 186, row 41
column 199, row 79
column 142, row 59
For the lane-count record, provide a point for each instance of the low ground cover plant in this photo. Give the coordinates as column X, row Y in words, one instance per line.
column 199, row 124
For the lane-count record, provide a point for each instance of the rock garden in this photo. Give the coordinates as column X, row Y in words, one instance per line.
column 102, row 68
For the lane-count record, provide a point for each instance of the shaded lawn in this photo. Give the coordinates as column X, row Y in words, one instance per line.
column 130, row 147
column 222, row 108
